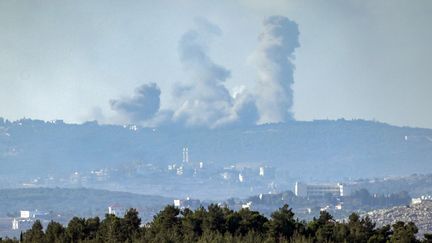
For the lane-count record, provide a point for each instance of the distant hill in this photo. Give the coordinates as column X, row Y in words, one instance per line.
column 76, row 202
column 317, row 150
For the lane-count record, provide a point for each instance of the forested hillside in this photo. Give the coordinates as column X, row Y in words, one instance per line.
column 335, row 149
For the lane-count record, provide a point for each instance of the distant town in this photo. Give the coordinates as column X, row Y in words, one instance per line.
column 307, row 201
column 113, row 168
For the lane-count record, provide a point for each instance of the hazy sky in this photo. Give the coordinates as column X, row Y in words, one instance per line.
column 357, row 59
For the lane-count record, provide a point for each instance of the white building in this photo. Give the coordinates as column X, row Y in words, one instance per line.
column 187, row 203
column 15, row 224
column 421, row 199
column 240, row 177
column 247, row 205
column 177, row 203
column 416, row 200
column 117, row 210
column 320, row 190
column 261, row 171
column 25, row 214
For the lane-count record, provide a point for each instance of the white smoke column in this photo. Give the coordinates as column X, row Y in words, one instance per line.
column 204, row 100
column 274, row 58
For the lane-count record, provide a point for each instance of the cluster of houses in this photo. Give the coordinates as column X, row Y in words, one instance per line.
column 27, row 218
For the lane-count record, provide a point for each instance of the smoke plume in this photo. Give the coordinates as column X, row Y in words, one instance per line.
column 274, row 59
column 204, row 100
column 142, row 106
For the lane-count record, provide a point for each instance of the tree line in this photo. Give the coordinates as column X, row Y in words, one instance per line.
column 221, row 224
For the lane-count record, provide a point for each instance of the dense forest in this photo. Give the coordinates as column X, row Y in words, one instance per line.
column 220, row 224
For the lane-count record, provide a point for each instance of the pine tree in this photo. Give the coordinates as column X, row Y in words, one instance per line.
column 282, row 223
column 54, row 232
column 35, row 234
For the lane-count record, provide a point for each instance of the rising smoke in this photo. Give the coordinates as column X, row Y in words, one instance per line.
column 203, row 100
column 274, row 60
column 142, row 106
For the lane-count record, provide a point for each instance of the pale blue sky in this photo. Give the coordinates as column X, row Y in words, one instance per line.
column 357, row 59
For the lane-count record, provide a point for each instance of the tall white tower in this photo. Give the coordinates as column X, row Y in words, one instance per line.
column 15, row 224
column 186, row 155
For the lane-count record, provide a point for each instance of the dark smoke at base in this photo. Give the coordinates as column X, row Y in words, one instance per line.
column 142, row 106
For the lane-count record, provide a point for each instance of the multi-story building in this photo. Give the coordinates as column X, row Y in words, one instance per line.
column 320, row 190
